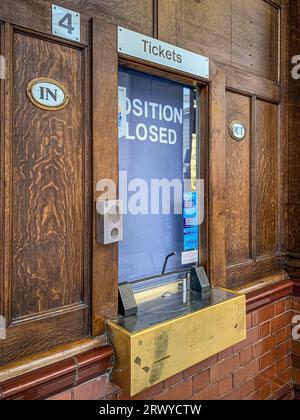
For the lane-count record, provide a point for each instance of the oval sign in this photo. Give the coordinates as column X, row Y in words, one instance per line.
column 47, row 94
column 237, row 130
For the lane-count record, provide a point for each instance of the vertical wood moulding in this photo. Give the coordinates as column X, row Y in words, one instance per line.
column 217, row 166
column 105, row 154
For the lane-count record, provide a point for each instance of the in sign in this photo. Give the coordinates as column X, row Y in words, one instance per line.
column 47, row 94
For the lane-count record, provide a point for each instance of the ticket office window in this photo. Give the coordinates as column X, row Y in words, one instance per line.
column 159, row 169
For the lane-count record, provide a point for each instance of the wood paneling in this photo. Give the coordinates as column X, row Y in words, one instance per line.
column 266, row 178
column 106, row 164
column 134, row 14
column 45, row 272
column 241, row 33
column 48, row 191
column 238, row 187
column 294, row 129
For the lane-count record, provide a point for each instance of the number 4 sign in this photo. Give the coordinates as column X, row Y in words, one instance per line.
column 65, row 23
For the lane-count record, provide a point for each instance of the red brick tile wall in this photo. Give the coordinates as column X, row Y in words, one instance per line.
column 296, row 344
column 255, row 369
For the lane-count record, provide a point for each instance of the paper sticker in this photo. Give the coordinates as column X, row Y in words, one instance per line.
column 189, row 257
column 122, row 121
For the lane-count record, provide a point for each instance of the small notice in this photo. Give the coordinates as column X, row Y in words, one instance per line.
column 189, row 257
column 122, row 120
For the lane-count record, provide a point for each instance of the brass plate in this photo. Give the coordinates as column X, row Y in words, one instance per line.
column 153, row 355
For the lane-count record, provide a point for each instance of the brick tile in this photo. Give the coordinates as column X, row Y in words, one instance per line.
column 253, row 397
column 265, row 392
column 208, row 394
column 296, row 348
column 148, row 394
column 224, row 368
column 265, row 377
column 263, row 315
column 174, row 380
column 286, row 376
column 283, row 350
column 180, row 392
column 263, row 346
column 225, row 386
column 288, row 306
column 201, row 381
column 283, row 335
column 64, row 396
column 249, row 321
column 233, row 395
column 95, row 390
column 225, row 354
column 200, row 367
column 284, row 364
column 267, row 360
column 246, row 389
column 296, row 304
column 246, row 356
column 280, row 307
column 252, row 337
column 281, row 322
column 246, row 372
column 264, row 330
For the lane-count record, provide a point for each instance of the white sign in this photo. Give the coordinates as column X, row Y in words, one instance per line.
column 158, row 52
column 189, row 257
column 237, row 130
column 65, row 23
column 47, row 94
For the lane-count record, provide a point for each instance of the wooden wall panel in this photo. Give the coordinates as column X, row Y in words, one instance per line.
column 45, row 203
column 294, row 130
column 241, row 33
column 255, row 37
column 266, row 178
column 133, row 14
column 48, row 194
column 238, row 186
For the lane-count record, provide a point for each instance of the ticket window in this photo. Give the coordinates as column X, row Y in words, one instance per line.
column 159, row 177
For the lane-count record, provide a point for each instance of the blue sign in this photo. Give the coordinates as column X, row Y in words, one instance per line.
column 154, row 136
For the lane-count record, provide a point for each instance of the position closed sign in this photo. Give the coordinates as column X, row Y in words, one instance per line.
column 158, row 52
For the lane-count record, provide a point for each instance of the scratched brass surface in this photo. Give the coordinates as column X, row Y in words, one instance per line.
column 149, row 356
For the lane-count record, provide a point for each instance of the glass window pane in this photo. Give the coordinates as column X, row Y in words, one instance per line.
column 158, row 172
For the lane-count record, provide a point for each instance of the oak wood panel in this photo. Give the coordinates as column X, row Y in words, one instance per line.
column 34, row 337
column 45, row 168
column 255, row 37
column 239, row 33
column 250, row 271
column 36, row 15
column 105, row 154
column 48, row 193
column 217, row 171
column 294, row 129
column 247, row 83
column 201, row 26
column 238, row 158
column 266, row 178
column 134, row 14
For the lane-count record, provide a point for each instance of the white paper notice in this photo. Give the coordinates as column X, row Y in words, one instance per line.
column 189, row 257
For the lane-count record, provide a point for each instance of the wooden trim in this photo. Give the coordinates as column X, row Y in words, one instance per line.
column 58, row 377
column 217, row 188
column 267, row 295
column 105, row 166
column 251, row 85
